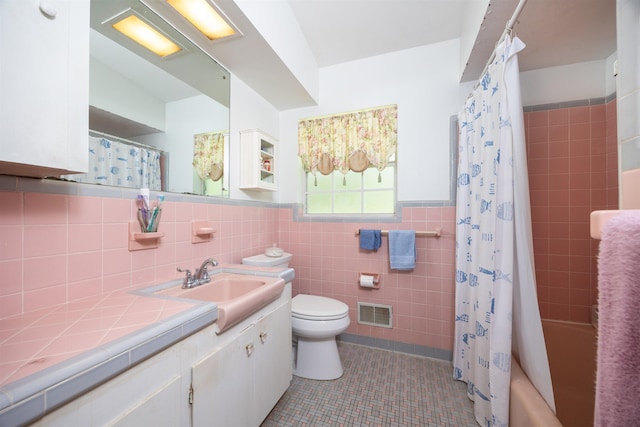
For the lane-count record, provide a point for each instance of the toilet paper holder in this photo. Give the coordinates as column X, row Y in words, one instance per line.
column 375, row 282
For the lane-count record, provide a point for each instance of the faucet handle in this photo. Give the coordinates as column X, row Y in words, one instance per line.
column 189, row 280
column 184, row 271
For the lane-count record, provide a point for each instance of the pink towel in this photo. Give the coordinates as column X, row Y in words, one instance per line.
column 618, row 375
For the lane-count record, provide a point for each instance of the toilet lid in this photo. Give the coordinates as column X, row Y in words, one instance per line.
column 314, row 307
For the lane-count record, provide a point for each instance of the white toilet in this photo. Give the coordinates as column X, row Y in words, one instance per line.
column 316, row 321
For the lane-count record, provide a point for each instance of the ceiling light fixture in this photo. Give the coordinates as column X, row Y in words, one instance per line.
column 204, row 17
column 144, row 34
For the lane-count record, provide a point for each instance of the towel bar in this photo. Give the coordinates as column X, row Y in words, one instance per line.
column 436, row 233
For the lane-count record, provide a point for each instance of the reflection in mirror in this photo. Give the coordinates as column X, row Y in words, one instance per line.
column 143, row 107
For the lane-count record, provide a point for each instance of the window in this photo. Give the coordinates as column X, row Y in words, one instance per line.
column 349, row 159
column 368, row 192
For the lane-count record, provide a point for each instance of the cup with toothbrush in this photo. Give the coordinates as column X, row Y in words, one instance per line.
column 149, row 217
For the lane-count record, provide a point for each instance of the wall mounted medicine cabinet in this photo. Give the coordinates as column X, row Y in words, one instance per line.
column 258, row 161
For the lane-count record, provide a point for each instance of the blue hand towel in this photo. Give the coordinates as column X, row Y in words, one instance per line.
column 370, row 240
column 402, row 249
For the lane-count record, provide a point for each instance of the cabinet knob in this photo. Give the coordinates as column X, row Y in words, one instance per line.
column 249, row 348
column 48, row 10
column 263, row 336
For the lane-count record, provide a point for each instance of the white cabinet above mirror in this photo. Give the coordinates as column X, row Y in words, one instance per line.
column 43, row 87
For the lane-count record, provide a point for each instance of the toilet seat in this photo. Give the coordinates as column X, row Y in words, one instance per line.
column 313, row 307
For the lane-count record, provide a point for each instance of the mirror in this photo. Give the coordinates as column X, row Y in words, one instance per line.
column 178, row 104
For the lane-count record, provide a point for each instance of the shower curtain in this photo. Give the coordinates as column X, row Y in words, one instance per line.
column 496, row 302
column 120, row 164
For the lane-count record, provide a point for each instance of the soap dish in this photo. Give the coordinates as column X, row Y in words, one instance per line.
column 274, row 252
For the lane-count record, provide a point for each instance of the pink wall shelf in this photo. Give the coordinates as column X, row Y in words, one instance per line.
column 201, row 231
column 139, row 241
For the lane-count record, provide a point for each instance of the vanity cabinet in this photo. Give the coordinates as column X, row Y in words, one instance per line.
column 231, row 379
column 239, row 383
column 153, row 393
column 258, row 161
column 44, row 87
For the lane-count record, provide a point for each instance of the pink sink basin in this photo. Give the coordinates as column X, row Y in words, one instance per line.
column 236, row 295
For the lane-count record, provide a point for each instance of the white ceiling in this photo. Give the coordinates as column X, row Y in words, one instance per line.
column 556, row 32
column 344, row 30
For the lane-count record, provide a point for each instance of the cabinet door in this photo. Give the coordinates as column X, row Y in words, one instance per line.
column 273, row 362
column 221, row 386
column 44, row 87
column 159, row 408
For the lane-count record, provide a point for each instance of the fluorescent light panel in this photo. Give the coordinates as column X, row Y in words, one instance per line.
column 144, row 34
column 204, row 17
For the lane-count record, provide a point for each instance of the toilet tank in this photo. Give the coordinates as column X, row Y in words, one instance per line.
column 263, row 260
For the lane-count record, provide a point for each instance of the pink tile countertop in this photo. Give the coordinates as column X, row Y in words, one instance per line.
column 50, row 356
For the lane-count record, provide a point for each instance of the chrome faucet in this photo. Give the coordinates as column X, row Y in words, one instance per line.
column 201, row 276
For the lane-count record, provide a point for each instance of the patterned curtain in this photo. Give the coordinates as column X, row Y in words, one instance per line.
column 348, row 141
column 120, row 164
column 496, row 310
column 208, row 155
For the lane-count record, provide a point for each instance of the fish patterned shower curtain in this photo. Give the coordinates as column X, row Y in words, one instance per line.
column 122, row 165
column 494, row 259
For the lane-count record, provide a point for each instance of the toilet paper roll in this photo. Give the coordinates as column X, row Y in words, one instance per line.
column 366, row 281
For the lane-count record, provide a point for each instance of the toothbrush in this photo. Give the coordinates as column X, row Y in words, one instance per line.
column 154, row 214
column 144, row 196
column 144, row 192
column 142, row 215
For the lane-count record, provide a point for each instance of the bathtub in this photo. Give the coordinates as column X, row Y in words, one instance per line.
column 571, row 348
column 526, row 407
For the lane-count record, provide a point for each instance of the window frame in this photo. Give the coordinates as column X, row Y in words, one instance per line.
column 361, row 191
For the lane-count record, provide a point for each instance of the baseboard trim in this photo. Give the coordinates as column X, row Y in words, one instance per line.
column 400, row 347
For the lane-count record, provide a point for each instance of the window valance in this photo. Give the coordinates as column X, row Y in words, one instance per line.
column 350, row 141
column 208, row 155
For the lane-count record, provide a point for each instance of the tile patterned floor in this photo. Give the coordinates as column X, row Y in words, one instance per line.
column 378, row 388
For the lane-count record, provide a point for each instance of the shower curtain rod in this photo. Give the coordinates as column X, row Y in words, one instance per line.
column 100, row 134
column 510, row 23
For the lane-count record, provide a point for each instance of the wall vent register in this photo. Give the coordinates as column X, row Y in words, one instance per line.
column 375, row 315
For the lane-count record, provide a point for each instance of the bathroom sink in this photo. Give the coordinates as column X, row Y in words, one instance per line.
column 220, row 289
column 236, row 295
